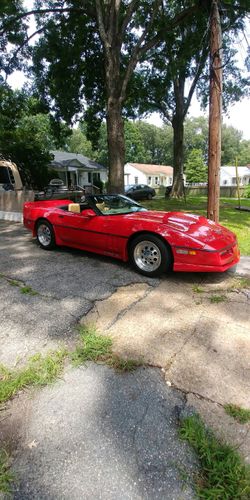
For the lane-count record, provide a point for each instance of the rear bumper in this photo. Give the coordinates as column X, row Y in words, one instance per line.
column 203, row 261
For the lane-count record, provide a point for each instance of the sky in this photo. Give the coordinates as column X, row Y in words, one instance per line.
column 237, row 115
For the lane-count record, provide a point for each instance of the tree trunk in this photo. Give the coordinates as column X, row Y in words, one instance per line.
column 116, row 145
column 178, row 129
column 178, row 185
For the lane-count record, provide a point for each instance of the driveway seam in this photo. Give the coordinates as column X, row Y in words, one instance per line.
column 129, row 307
column 172, row 358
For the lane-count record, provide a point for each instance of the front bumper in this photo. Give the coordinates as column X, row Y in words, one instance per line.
column 207, row 261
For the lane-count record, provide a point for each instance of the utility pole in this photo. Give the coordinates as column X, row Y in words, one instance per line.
column 215, row 114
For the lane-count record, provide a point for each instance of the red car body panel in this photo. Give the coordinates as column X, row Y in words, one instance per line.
column 198, row 244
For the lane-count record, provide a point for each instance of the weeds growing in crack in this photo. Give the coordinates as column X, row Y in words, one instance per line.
column 14, row 283
column 38, row 371
column 28, row 290
column 25, row 289
column 197, row 289
column 5, row 476
column 216, row 299
column 240, row 414
column 223, row 473
column 98, row 348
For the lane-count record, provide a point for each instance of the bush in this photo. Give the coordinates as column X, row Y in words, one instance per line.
column 247, row 191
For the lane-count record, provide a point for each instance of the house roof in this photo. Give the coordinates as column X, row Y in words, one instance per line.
column 149, row 169
column 231, row 171
column 63, row 159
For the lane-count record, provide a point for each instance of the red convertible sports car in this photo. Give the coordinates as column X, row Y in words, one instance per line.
column 117, row 226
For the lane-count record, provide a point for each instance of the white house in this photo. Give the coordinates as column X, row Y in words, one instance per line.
column 153, row 175
column 76, row 169
column 228, row 176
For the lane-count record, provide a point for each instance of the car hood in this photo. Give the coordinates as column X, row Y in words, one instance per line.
column 212, row 236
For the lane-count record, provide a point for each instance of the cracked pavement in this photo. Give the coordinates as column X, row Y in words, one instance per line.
column 96, row 434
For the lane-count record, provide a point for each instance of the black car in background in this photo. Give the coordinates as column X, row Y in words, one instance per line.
column 139, row 192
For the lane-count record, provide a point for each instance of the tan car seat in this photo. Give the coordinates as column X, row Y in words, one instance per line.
column 74, row 208
column 102, row 207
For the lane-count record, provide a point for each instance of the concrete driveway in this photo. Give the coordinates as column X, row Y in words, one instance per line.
column 96, row 434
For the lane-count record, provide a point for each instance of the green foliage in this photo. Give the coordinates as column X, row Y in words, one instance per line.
column 145, row 143
column 233, row 146
column 27, row 134
column 216, row 299
column 135, row 147
column 223, row 474
column 78, row 143
column 39, row 371
column 94, row 347
column 240, row 414
column 247, row 191
column 27, row 290
column 13, row 31
column 230, row 139
column 5, row 476
column 157, row 142
column 196, row 136
column 124, row 365
column 198, row 289
column 195, row 168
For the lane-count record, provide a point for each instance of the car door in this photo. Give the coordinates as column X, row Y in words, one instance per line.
column 136, row 192
column 85, row 230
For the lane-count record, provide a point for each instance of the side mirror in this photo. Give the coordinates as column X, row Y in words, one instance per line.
column 88, row 213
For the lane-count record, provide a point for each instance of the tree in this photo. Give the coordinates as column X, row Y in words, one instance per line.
column 12, row 36
column 179, row 63
column 178, row 60
column 78, row 143
column 195, row 168
column 26, row 135
column 157, row 142
column 98, row 46
column 244, row 154
column 196, row 136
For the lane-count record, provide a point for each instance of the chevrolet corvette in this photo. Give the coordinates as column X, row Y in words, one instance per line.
column 153, row 241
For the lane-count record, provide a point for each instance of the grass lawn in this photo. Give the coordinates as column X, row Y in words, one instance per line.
column 238, row 222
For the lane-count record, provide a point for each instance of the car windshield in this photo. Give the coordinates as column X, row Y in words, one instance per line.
column 113, row 204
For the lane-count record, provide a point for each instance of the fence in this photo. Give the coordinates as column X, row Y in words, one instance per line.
column 225, row 191
column 11, row 203
column 199, row 190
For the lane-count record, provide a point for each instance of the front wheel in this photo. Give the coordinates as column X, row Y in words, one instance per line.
column 150, row 196
column 150, row 255
column 45, row 235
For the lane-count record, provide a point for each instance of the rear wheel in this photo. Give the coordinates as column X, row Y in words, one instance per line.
column 45, row 235
column 150, row 255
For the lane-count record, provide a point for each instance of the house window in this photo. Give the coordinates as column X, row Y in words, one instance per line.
column 136, row 180
column 149, row 180
column 170, row 180
column 225, row 182
column 89, row 177
column 234, row 180
column 156, row 181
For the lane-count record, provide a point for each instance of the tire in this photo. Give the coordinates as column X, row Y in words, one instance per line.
column 149, row 255
column 150, row 196
column 45, row 235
